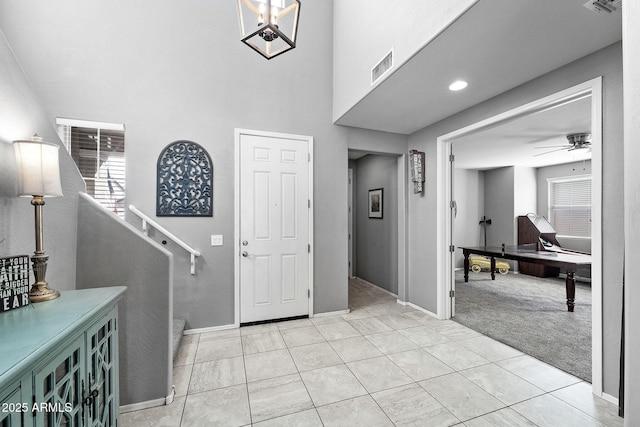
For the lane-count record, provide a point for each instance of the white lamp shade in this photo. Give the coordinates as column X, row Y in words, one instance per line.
column 38, row 168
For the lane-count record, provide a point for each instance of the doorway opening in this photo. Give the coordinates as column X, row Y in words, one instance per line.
column 377, row 220
column 447, row 206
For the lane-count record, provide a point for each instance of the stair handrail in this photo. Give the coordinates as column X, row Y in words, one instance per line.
column 146, row 221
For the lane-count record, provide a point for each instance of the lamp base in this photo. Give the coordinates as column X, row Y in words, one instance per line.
column 39, row 293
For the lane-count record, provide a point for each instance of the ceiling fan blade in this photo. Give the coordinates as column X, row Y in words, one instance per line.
column 548, row 152
column 553, row 146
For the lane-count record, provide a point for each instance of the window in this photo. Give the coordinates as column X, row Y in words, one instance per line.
column 570, row 206
column 98, row 150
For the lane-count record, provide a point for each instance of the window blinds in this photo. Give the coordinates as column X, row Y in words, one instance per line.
column 100, row 157
column 570, row 206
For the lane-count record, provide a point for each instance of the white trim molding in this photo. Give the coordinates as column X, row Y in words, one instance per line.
column 592, row 88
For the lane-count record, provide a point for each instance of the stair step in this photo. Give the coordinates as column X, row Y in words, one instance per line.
column 178, row 328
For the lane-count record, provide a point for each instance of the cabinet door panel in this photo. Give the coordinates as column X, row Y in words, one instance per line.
column 102, row 365
column 58, row 388
column 12, row 410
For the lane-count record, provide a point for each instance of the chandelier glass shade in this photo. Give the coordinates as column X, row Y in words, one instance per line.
column 270, row 27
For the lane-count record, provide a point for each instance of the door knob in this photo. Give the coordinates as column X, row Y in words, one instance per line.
column 245, row 254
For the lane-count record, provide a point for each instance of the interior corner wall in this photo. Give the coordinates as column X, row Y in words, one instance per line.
column 21, row 115
column 469, row 196
column 561, row 171
column 377, row 244
column 422, row 278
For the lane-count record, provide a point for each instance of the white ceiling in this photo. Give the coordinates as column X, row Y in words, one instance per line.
column 496, row 46
column 535, row 140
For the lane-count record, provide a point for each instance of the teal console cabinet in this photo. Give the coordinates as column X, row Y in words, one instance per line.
column 59, row 361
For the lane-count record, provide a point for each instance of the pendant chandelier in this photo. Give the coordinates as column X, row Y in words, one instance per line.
column 269, row 27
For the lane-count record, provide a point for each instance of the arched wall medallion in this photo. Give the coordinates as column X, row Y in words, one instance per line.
column 185, row 181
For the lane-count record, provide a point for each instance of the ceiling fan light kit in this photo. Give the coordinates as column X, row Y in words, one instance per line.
column 577, row 141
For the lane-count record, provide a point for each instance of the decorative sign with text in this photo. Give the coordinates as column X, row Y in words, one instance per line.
column 14, row 282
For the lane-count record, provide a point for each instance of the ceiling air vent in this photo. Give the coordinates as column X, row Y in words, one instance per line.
column 382, row 67
column 607, row 6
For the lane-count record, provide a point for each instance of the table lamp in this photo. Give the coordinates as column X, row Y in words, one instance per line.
column 38, row 177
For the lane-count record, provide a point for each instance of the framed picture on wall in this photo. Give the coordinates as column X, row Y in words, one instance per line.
column 375, row 203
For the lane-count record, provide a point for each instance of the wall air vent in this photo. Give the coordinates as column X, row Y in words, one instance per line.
column 606, row 6
column 382, row 67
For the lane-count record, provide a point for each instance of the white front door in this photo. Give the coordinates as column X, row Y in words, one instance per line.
column 274, row 231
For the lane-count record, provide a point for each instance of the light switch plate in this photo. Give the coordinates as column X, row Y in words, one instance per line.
column 216, row 240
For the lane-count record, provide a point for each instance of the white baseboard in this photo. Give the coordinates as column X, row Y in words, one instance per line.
column 417, row 307
column 209, row 329
column 610, row 399
column 149, row 403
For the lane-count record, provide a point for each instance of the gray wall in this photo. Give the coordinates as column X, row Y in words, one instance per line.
column 354, row 233
column 184, row 74
column 125, row 257
column 377, row 242
column 469, row 196
column 499, row 204
column 631, row 37
column 525, row 187
column 70, row 229
column 558, row 171
column 422, row 211
column 20, row 117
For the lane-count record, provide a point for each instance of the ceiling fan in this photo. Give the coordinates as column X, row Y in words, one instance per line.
column 577, row 141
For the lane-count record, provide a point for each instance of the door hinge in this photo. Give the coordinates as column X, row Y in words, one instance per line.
column 452, row 294
column 309, row 203
column 308, row 157
column 451, row 157
column 309, row 248
column 452, row 248
column 308, row 293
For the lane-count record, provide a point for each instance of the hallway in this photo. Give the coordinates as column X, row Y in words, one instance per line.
column 383, row 364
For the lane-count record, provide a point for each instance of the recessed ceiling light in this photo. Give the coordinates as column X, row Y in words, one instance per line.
column 458, row 85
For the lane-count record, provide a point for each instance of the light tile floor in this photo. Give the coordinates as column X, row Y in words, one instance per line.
column 383, row 364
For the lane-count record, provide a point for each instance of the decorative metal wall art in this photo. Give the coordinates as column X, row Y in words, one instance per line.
column 416, row 165
column 185, row 181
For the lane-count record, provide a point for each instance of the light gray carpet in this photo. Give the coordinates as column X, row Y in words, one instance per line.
column 529, row 314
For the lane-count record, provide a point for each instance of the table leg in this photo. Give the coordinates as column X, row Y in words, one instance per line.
column 466, row 266
column 493, row 268
column 571, row 290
